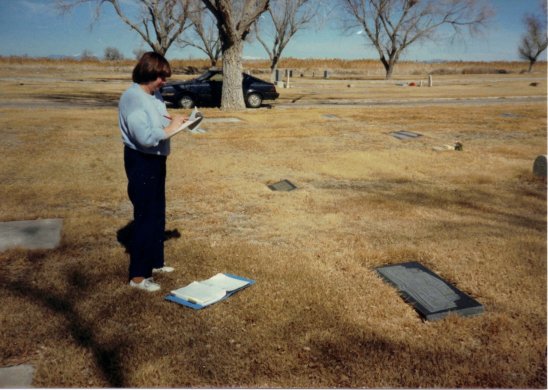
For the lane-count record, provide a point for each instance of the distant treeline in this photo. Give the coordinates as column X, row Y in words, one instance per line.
column 308, row 67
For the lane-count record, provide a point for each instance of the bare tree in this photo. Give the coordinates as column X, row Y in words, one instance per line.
column 113, row 54
column 234, row 20
column 391, row 26
column 534, row 41
column 203, row 33
column 285, row 18
column 158, row 22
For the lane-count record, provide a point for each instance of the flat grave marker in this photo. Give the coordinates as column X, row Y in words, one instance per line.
column 510, row 115
column 284, row 185
column 35, row 234
column 404, row 134
column 222, row 120
column 429, row 294
column 16, row 377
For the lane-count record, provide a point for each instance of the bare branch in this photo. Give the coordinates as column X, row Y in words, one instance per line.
column 391, row 26
column 203, row 34
column 534, row 41
column 284, row 19
column 159, row 24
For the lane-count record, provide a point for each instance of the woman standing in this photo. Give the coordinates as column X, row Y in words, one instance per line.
column 145, row 126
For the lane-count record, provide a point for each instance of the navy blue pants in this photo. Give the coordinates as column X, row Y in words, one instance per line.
column 146, row 188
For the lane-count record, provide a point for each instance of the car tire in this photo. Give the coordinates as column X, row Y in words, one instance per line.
column 186, row 101
column 254, row 100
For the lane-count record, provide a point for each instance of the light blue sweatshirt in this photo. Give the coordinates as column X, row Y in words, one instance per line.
column 142, row 121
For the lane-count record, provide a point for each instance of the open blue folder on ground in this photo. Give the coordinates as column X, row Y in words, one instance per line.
column 198, row 295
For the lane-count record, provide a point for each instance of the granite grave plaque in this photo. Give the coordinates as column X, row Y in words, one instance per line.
column 403, row 134
column 539, row 166
column 284, row 185
column 36, row 234
column 429, row 294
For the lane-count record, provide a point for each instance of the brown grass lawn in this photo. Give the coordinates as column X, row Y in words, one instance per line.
column 318, row 316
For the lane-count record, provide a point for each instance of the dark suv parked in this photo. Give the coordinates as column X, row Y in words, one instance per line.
column 206, row 90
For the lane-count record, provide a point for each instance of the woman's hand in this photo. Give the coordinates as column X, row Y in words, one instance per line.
column 176, row 122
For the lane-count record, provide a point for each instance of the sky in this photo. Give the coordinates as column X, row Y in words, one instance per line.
column 36, row 29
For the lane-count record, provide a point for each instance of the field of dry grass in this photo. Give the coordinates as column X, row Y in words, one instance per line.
column 318, row 316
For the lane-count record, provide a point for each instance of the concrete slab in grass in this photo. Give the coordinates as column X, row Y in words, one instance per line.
column 16, row 377
column 35, row 234
column 430, row 295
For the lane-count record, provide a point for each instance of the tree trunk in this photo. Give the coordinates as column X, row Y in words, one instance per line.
column 273, row 66
column 232, row 95
column 531, row 63
column 388, row 67
column 389, row 71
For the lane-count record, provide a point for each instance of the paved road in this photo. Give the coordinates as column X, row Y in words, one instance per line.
column 302, row 103
column 413, row 102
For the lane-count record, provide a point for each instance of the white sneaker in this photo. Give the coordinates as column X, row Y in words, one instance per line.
column 162, row 270
column 146, row 284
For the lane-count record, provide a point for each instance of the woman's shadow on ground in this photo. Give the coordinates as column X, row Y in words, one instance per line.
column 124, row 235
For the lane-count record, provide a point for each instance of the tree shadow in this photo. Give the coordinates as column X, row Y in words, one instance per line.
column 92, row 99
column 124, row 234
column 107, row 357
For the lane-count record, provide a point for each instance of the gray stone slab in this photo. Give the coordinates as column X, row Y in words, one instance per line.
column 404, row 134
column 222, row 120
column 16, row 377
column 510, row 115
column 330, row 116
column 284, row 185
column 36, row 234
column 198, row 130
column 539, row 166
column 429, row 294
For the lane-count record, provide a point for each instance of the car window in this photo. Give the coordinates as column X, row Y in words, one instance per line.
column 217, row 77
column 203, row 76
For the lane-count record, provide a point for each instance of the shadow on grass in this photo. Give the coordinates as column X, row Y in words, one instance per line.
column 474, row 203
column 107, row 357
column 91, row 99
column 123, row 235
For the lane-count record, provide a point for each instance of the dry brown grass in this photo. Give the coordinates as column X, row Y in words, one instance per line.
column 318, row 315
column 308, row 67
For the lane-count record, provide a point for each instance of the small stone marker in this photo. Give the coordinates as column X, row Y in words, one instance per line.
column 16, row 377
column 539, row 166
column 37, row 234
column 284, row 185
column 330, row 116
column 403, row 134
column 429, row 294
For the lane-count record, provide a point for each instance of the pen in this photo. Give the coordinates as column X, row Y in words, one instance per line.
column 168, row 117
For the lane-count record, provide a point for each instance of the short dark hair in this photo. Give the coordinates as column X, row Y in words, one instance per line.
column 151, row 66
